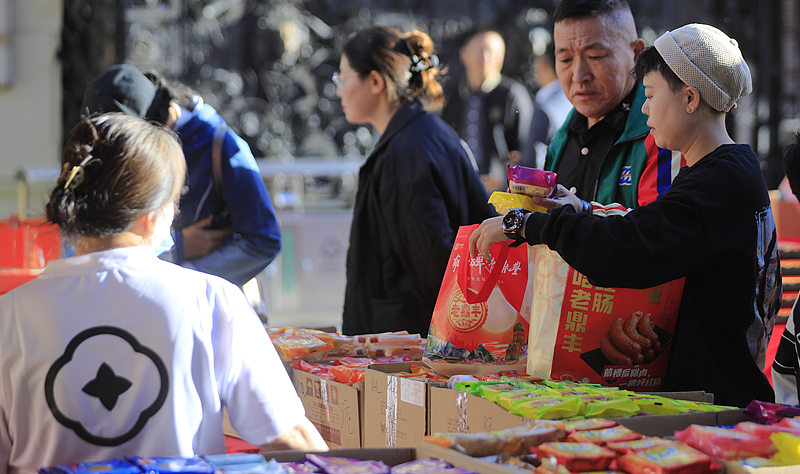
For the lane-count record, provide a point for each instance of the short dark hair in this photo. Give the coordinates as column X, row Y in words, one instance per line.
column 791, row 164
column 583, row 8
column 467, row 36
column 651, row 60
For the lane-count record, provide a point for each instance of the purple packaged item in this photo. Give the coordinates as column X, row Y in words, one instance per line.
column 358, row 467
column 115, row 466
column 531, row 181
column 429, row 466
column 305, row 466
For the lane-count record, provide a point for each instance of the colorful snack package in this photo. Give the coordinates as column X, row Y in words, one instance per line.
column 624, row 447
column 297, row 467
column 531, row 181
column 115, row 466
column 725, row 443
column 346, row 374
column 788, row 446
column 654, row 405
column 577, row 456
column 548, row 408
column 790, row 422
column 617, row 433
column 613, row 408
column 354, row 361
column 429, row 466
column 508, row 399
column 340, row 465
column 769, row 413
column 492, row 391
column 589, row 424
column 504, row 202
column 301, row 344
column 674, row 458
column 222, row 460
column 320, row 370
column 195, row 465
column 764, row 431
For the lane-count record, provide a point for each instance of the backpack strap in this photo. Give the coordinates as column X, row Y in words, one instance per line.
column 216, row 157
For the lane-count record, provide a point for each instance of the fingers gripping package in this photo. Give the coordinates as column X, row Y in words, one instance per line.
column 611, row 336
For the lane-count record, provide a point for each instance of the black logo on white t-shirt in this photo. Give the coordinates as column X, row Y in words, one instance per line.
column 106, row 386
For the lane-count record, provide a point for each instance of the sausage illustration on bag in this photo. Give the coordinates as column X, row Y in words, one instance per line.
column 631, row 341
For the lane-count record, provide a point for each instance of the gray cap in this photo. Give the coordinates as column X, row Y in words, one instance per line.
column 708, row 60
column 121, row 88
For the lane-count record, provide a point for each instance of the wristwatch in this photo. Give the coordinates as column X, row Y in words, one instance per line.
column 513, row 222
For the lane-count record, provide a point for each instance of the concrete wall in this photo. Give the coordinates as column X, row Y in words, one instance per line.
column 30, row 108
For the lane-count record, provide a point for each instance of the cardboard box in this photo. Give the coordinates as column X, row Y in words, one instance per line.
column 395, row 408
column 394, row 456
column 461, row 412
column 334, row 408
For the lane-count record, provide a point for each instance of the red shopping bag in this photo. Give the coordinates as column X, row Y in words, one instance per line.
column 480, row 321
column 612, row 336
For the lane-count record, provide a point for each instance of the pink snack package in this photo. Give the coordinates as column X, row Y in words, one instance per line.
column 531, row 181
column 726, row 443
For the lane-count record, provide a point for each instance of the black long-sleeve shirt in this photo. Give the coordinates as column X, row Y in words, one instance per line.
column 715, row 227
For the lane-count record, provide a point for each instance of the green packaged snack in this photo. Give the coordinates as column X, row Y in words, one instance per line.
column 613, row 408
column 548, row 408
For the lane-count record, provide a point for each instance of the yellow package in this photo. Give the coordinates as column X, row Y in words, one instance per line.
column 612, row 408
column 509, row 399
column 548, row 408
column 491, row 392
column 788, row 449
column 503, row 202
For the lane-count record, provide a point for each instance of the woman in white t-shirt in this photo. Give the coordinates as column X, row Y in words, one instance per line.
column 114, row 352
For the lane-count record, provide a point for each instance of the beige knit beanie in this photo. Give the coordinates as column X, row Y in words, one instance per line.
column 708, row 60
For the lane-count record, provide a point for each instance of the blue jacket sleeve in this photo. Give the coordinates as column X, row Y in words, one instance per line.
column 257, row 238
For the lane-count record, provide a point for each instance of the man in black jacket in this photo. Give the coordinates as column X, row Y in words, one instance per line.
column 490, row 111
column 714, row 226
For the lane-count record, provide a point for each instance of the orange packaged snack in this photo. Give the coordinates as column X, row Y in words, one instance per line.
column 674, row 458
column 577, row 456
column 607, row 435
column 624, row 447
column 589, row 424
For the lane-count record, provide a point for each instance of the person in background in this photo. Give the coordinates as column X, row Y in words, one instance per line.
column 787, row 360
column 550, row 106
column 115, row 352
column 490, row 111
column 415, row 189
column 714, row 226
column 604, row 149
column 229, row 229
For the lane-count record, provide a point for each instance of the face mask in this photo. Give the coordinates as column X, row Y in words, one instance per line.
column 162, row 237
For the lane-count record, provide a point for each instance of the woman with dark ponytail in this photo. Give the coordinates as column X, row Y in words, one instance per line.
column 415, row 189
column 115, row 352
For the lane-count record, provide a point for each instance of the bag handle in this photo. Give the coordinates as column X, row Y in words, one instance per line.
column 484, row 289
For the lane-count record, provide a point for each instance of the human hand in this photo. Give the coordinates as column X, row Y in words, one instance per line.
column 561, row 196
column 489, row 232
column 198, row 241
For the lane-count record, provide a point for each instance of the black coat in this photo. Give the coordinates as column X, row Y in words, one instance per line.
column 414, row 191
column 715, row 227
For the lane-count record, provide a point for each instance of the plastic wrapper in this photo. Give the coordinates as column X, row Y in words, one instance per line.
column 790, row 422
column 548, row 408
column 320, row 370
column 504, row 202
column 673, row 458
column 612, row 408
column 230, row 459
column 340, row 465
column 116, row 466
column 788, row 446
column 354, row 361
column 531, row 181
column 764, row 431
column 301, row 345
column 606, row 435
column 428, row 466
column 624, row 447
column 346, row 374
column 725, row 443
column 513, row 441
column 769, row 413
column 195, row 465
column 579, row 457
column 589, row 424
column 652, row 405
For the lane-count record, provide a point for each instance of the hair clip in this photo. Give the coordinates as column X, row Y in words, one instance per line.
column 418, row 64
column 75, row 177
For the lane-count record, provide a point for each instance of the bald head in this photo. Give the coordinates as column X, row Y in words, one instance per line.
column 482, row 55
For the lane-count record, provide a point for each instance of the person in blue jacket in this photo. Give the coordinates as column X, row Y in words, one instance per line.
column 231, row 231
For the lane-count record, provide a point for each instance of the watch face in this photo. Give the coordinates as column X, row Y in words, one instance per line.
column 511, row 221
